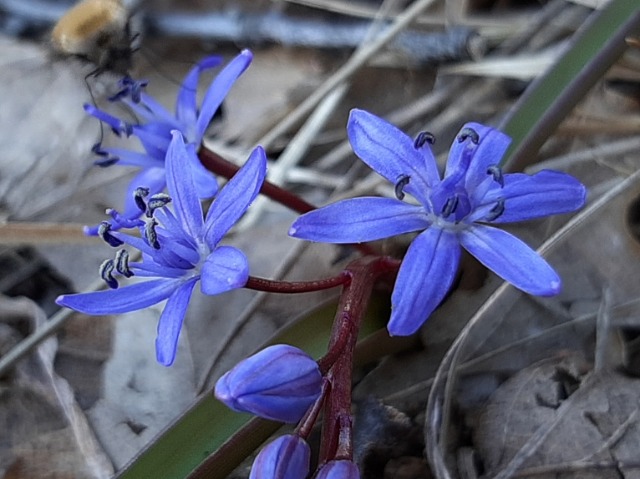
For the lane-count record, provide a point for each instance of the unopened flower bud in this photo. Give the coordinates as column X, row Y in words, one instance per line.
column 341, row 469
column 285, row 458
column 280, row 382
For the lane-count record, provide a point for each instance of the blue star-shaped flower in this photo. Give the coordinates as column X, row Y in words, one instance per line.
column 451, row 212
column 157, row 123
column 178, row 247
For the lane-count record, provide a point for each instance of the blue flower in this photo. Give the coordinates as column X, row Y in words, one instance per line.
column 339, row 469
column 157, row 123
column 451, row 212
column 285, row 458
column 280, row 383
column 178, row 248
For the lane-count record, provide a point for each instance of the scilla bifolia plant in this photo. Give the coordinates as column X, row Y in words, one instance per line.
column 181, row 247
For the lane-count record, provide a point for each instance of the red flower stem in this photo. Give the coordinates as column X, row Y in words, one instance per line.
column 336, row 427
column 272, row 286
column 218, row 165
column 342, row 337
column 304, row 427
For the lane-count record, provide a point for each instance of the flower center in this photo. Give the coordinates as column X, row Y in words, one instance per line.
column 452, row 205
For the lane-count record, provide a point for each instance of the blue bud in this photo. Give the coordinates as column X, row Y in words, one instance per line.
column 341, row 469
column 279, row 383
column 285, row 458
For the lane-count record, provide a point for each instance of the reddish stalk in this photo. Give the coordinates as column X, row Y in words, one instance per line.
column 271, row 286
column 336, row 429
column 218, row 165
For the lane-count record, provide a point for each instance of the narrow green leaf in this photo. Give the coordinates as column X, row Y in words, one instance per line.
column 594, row 48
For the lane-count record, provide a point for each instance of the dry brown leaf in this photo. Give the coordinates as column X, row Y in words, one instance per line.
column 44, row 432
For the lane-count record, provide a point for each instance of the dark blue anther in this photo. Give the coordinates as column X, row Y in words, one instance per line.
column 401, row 184
column 136, row 90
column 125, row 85
column 496, row 172
column 106, row 158
column 150, row 233
column 106, row 162
column 106, row 273
column 469, row 133
column 97, row 150
column 129, row 88
column 450, row 206
column 103, row 233
column 423, row 138
column 496, row 211
column 122, row 263
column 127, row 129
column 139, row 195
column 156, row 201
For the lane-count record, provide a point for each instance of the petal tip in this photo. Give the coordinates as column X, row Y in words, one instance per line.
column 555, row 287
column 165, row 357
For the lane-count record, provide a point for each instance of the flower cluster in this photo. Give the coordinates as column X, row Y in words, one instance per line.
column 156, row 125
column 179, row 247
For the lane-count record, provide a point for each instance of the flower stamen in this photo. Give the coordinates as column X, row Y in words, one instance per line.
column 150, row 233
column 401, row 184
column 159, row 200
column 450, row 206
column 496, row 172
column 138, row 196
column 106, row 273
column 129, row 88
column 496, row 211
column 122, row 263
column 423, row 138
column 103, row 233
column 469, row 133
column 106, row 160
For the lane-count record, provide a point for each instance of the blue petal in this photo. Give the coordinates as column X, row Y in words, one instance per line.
column 225, row 269
column 155, row 138
column 391, row 153
column 181, row 187
column 287, row 457
column 218, row 90
column 170, row 323
column 134, row 158
column 186, row 107
column 543, row 194
column 152, row 111
column 511, row 259
column 493, row 146
column 338, row 469
column 123, row 300
column 359, row 219
column 476, row 159
column 426, row 274
column 235, row 197
column 205, row 182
